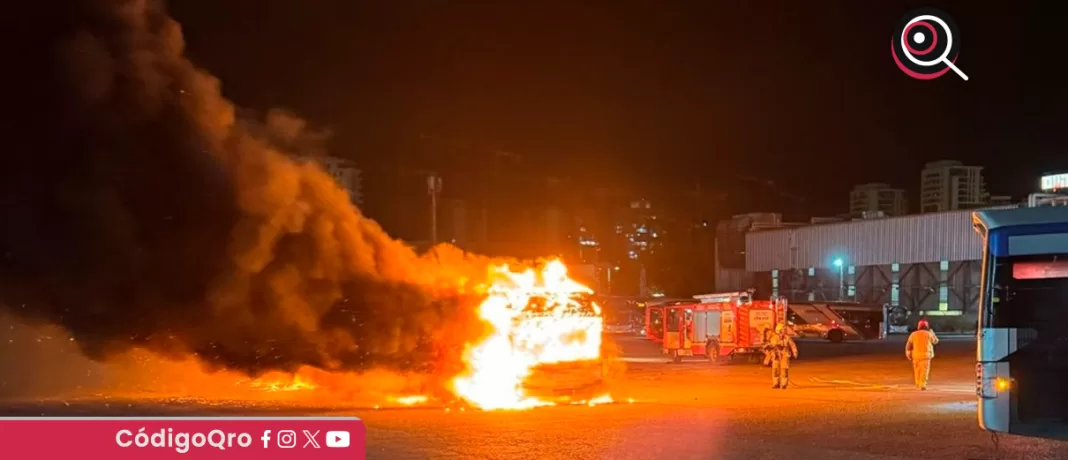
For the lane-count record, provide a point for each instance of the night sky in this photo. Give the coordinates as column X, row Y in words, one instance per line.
column 651, row 94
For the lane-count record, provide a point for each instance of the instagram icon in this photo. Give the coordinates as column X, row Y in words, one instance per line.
column 287, row 439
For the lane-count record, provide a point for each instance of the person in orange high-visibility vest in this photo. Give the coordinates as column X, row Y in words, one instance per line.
column 920, row 350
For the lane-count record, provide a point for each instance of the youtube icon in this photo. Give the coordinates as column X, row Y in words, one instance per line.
column 337, row 439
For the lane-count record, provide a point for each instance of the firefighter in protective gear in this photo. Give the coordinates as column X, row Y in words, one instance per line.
column 920, row 350
column 781, row 349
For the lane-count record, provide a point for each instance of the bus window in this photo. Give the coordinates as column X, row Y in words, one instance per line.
column 866, row 322
column 1029, row 292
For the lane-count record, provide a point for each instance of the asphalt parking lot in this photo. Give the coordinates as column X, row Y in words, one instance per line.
column 851, row 400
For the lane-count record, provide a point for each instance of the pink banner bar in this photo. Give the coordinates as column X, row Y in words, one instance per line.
column 115, row 438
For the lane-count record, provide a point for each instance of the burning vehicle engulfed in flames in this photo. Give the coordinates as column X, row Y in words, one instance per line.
column 544, row 346
column 581, row 379
column 541, row 346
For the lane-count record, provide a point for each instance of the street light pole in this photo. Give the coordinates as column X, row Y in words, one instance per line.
column 841, row 278
column 433, row 183
column 841, row 283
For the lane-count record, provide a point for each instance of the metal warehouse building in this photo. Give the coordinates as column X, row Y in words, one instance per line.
column 926, row 263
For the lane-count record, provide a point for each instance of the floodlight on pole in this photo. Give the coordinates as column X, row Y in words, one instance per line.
column 841, row 277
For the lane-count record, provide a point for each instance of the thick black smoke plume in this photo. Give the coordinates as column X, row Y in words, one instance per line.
column 139, row 211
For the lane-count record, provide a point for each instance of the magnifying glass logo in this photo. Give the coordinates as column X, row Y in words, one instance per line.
column 925, row 45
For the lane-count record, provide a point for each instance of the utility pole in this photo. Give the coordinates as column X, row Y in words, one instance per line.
column 493, row 165
column 433, row 185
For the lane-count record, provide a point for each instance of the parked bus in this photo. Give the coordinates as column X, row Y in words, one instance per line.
column 621, row 316
column 1022, row 351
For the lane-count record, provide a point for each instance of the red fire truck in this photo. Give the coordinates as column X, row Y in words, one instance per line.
column 729, row 325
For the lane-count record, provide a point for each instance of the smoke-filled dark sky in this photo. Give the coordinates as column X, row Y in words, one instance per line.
column 802, row 93
column 138, row 211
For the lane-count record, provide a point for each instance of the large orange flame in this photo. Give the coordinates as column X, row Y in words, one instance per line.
column 296, row 383
column 535, row 319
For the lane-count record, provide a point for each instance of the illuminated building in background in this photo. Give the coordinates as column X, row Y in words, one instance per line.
column 592, row 233
column 876, row 197
column 589, row 248
column 950, row 186
column 639, row 226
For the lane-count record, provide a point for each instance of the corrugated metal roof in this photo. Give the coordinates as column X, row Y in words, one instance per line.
column 920, row 238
